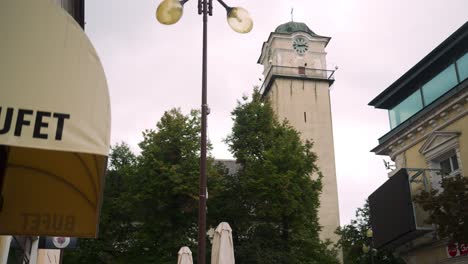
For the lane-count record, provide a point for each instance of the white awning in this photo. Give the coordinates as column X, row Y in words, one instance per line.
column 54, row 122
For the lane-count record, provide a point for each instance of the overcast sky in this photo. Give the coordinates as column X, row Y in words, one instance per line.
column 152, row 68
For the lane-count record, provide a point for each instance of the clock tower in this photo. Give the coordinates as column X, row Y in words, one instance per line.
column 297, row 84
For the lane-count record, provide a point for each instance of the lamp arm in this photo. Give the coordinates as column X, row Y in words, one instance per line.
column 228, row 8
column 183, row 1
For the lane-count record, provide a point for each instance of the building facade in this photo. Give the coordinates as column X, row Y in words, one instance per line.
column 297, row 84
column 427, row 108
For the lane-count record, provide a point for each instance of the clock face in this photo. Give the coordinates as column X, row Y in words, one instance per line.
column 300, row 45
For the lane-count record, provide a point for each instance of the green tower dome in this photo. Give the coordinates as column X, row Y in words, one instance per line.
column 291, row 27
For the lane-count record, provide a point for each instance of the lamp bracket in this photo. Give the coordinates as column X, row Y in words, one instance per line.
column 209, row 6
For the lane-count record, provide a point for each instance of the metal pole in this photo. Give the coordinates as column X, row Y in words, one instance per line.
column 3, row 166
column 61, row 256
column 34, row 250
column 4, row 248
column 204, row 109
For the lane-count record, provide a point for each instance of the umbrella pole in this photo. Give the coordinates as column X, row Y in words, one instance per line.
column 61, row 256
column 3, row 166
column 4, row 240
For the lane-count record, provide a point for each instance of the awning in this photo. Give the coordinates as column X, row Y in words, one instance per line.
column 54, row 123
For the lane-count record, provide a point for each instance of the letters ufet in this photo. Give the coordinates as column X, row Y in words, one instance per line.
column 45, row 124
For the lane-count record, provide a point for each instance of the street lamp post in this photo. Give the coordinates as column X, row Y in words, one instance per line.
column 168, row 13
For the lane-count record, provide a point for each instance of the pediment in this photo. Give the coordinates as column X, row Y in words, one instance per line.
column 439, row 140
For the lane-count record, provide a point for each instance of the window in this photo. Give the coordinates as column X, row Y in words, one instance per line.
column 404, row 110
column 439, row 85
column 449, row 166
column 462, row 65
column 446, row 165
column 441, row 151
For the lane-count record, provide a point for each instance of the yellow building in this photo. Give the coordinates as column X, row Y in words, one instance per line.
column 427, row 107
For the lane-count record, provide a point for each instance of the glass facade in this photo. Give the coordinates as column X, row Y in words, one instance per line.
column 439, row 85
column 404, row 110
column 462, row 65
column 430, row 91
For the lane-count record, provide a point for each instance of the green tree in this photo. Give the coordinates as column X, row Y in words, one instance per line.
column 116, row 213
column 354, row 236
column 151, row 200
column 166, row 188
column 272, row 202
column 448, row 208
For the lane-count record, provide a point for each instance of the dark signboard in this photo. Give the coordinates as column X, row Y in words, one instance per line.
column 391, row 209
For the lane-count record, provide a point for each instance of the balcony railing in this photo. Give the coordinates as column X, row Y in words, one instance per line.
column 297, row 73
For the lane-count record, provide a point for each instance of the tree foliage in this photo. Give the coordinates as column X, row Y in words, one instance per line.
column 448, row 208
column 272, row 202
column 116, row 214
column 151, row 200
column 354, row 236
column 166, row 187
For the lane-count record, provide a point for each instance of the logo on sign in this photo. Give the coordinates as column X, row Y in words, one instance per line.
column 463, row 248
column 457, row 249
column 452, row 250
column 61, row 242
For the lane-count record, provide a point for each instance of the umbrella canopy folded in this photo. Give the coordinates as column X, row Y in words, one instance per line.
column 185, row 256
column 54, row 123
column 223, row 247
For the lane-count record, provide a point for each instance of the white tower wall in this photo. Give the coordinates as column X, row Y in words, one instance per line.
column 298, row 87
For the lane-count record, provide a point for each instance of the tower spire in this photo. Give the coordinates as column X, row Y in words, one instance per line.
column 292, row 14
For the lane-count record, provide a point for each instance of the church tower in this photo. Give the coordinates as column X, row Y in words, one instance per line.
column 297, row 84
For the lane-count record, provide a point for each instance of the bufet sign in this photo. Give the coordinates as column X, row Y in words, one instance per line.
column 54, row 123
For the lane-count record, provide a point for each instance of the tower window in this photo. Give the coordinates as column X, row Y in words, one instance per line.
column 305, row 117
column 301, row 70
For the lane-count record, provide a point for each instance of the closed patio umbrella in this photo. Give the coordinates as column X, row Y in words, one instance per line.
column 185, row 256
column 54, row 123
column 222, row 251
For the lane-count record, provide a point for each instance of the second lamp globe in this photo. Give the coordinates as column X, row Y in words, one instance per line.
column 169, row 12
column 239, row 20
